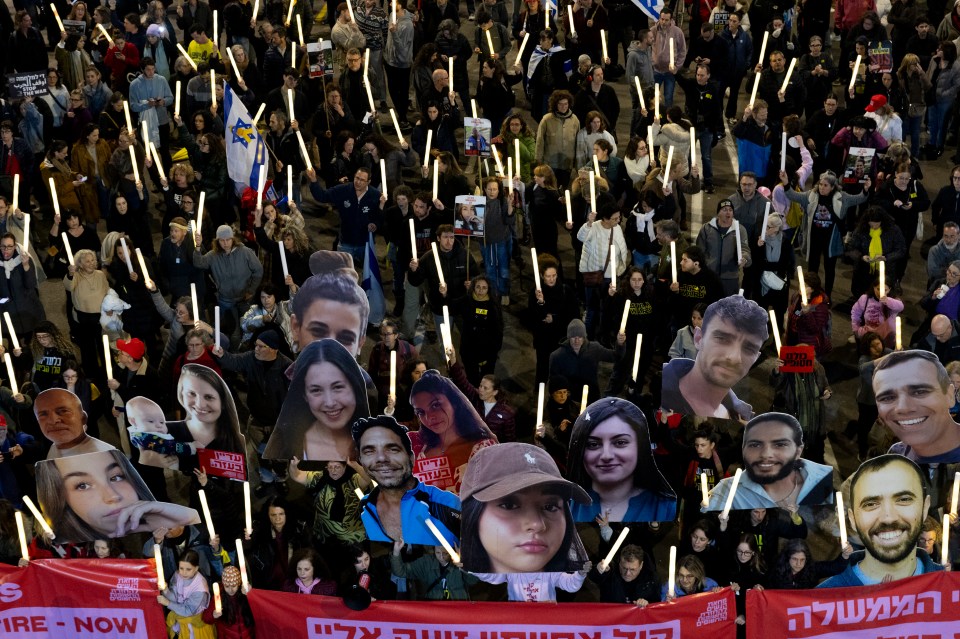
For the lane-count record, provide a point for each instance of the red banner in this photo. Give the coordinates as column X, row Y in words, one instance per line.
column 80, row 599
column 923, row 607
column 222, row 463
column 706, row 616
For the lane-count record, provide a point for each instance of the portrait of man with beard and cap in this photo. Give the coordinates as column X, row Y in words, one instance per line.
column 889, row 499
column 774, row 474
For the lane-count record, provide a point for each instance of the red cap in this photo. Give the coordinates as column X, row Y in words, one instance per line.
column 876, row 102
column 132, row 347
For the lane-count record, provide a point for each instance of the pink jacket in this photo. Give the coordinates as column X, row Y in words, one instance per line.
column 869, row 314
column 661, row 47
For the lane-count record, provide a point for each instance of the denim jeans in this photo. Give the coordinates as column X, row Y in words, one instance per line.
column 669, row 82
column 640, row 260
column 936, row 116
column 357, row 251
column 911, row 127
column 496, row 260
column 706, row 154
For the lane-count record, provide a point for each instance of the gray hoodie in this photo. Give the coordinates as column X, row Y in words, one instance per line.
column 399, row 50
column 639, row 63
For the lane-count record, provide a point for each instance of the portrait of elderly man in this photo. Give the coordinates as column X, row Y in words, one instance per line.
column 63, row 421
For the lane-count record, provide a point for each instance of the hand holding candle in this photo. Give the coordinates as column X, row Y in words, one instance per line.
column 158, row 561
column 622, row 537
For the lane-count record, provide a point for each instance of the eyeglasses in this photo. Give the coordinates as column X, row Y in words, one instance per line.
column 8, row 247
column 745, row 553
column 386, row 334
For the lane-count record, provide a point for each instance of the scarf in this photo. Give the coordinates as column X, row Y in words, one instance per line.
column 183, row 589
column 645, row 221
column 876, row 247
column 305, row 589
column 60, row 166
column 538, row 55
column 772, row 246
column 9, row 265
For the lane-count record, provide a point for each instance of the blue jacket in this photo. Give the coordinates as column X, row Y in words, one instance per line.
column 849, row 576
column 416, row 505
column 739, row 51
column 354, row 215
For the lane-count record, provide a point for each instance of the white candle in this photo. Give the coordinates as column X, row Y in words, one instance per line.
column 213, row 88
column 625, row 317
column 693, row 147
column 54, row 196
column 283, row 259
column 703, row 489
column 490, row 42
column 569, row 207
column 133, row 163
column 523, row 45
column 616, row 546
column 510, row 175
column 26, row 231
column 436, row 260
column 573, row 30
column 290, row 12
column 766, row 220
column 802, row 285
column 193, row 298
column 516, row 155
column 672, row 573
column 666, row 169
column 66, row 247
column 256, row 118
column 736, row 230
column 216, row 25
column 16, row 191
column 107, row 356
column 393, row 373
column 899, row 342
column 350, row 10
column 636, row 80
column 956, row 493
column 413, row 240
column 883, row 278
column 783, row 152
column 256, row 9
column 383, row 177
column 786, row 80
column 126, row 254
column 358, row 493
column 856, row 71
column 300, row 29
column 650, row 153
column 496, row 157
column 446, row 314
column 14, row 340
column 436, row 178
column 636, row 356
column 158, row 561
column 673, row 259
column 103, row 30
column 396, row 125
column 603, row 45
column 596, row 164
column 247, row 509
column 303, row 151
column 393, row 11
column 184, row 53
column 126, row 115
column 217, row 602
column 540, row 399
column 656, row 108
column 426, row 153
column 613, row 266
column 593, row 191
column 763, row 47
column 261, row 184
column 290, row 104
column 732, row 493
column 775, row 330
column 22, row 535
column 32, row 507
column 176, row 105
column 206, row 513
column 143, row 267
column 454, row 556
column 156, row 158
column 841, row 520
column 945, row 542
column 203, row 199
column 584, row 398
column 536, row 269
column 11, row 374
column 216, row 322
column 673, row 54
column 242, row 565
column 753, row 93
column 450, row 72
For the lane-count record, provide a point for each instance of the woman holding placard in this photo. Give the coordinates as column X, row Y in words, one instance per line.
column 87, row 286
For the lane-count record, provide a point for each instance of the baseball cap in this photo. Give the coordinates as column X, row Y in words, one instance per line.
column 497, row 471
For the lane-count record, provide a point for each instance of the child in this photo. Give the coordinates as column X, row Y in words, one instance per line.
column 148, row 432
column 505, row 488
column 186, row 597
column 235, row 620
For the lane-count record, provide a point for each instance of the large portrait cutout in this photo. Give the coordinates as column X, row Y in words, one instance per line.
column 774, row 473
column 327, row 395
column 451, row 431
column 729, row 341
column 208, row 436
column 101, row 496
column 504, row 488
column 611, row 459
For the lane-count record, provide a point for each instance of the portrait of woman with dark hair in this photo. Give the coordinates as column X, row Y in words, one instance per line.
column 100, row 496
column 452, row 432
column 327, row 395
column 610, row 457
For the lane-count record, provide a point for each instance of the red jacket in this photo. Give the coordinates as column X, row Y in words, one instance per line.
column 235, row 630
column 120, row 68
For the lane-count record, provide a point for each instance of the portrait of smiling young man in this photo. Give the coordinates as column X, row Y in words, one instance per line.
column 914, row 396
column 775, row 476
column 729, row 341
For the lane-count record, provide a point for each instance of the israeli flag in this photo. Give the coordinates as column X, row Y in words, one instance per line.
column 373, row 284
column 246, row 151
column 650, row 7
